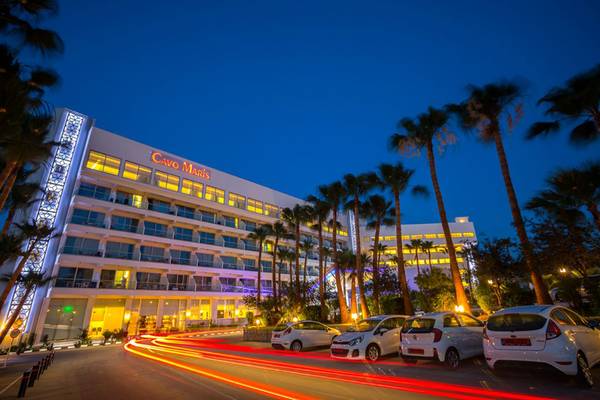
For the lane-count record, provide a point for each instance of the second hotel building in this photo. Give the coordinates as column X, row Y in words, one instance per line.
column 151, row 241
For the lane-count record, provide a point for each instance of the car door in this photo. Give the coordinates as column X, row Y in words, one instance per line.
column 389, row 335
column 588, row 338
column 454, row 334
column 309, row 334
column 322, row 336
column 473, row 331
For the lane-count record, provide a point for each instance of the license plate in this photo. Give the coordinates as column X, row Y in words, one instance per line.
column 516, row 342
column 416, row 351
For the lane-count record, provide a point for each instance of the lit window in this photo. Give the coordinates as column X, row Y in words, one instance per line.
column 405, row 237
column 166, row 181
column 191, row 188
column 456, row 234
column 102, row 162
column 235, row 200
column 441, row 236
column 255, row 206
column 468, row 234
column 137, row 172
column 214, row 194
column 272, row 210
column 416, row 236
column 430, row 236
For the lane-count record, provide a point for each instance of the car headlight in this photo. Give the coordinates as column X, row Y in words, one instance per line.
column 356, row 341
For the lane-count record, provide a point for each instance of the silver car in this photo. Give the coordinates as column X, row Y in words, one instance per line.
column 300, row 335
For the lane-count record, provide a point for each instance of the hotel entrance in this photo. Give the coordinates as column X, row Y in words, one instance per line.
column 107, row 315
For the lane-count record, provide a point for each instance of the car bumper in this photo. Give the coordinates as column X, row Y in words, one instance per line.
column 565, row 360
column 281, row 344
column 425, row 352
column 346, row 352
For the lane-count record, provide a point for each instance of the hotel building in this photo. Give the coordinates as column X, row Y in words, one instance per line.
column 148, row 240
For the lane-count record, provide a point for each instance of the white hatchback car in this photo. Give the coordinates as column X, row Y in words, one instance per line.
column 543, row 334
column 445, row 336
column 300, row 335
column 370, row 338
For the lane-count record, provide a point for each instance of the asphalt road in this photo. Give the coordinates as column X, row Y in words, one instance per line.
column 226, row 368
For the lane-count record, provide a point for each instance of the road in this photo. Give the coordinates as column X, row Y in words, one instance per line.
column 224, row 367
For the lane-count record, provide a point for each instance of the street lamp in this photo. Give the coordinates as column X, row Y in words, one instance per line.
column 491, row 282
column 563, row 270
column 459, row 308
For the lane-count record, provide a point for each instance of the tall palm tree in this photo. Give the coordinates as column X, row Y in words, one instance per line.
column 320, row 212
column 355, row 187
column 334, row 194
column 34, row 234
column 396, row 179
column 416, row 245
column 10, row 247
column 260, row 235
column 578, row 101
column 377, row 210
column 572, row 189
column 426, row 247
column 295, row 217
column 278, row 232
column 347, row 264
column 421, row 134
column 30, row 281
column 306, row 246
column 483, row 111
column 284, row 255
column 21, row 197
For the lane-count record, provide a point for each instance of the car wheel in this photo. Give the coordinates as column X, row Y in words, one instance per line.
column 372, row 353
column 584, row 375
column 408, row 360
column 296, row 346
column 452, row 359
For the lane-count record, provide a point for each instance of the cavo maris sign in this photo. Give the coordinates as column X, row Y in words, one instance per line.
column 201, row 172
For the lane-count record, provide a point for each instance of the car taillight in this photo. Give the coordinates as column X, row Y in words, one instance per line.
column 552, row 331
column 437, row 335
column 287, row 331
column 485, row 335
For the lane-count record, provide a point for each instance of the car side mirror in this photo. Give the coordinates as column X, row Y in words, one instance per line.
column 594, row 324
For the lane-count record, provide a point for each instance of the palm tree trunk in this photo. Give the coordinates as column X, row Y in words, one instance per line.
column 353, row 303
column 338, row 278
column 593, row 209
column 7, row 171
column 417, row 261
column 10, row 182
column 376, row 305
column 304, row 289
column 15, row 314
column 278, row 299
column 461, row 297
column 260, row 250
column 273, row 277
column 9, row 219
column 429, row 256
column 541, row 291
column 15, row 275
column 402, row 284
column 298, row 259
column 321, row 275
column 360, row 273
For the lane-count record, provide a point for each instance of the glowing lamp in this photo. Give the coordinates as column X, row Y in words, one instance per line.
column 257, row 322
column 188, row 314
column 295, row 319
column 562, row 270
column 127, row 316
column 459, row 308
column 490, row 281
column 354, row 316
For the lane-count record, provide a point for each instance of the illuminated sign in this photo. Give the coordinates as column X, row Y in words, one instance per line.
column 201, row 172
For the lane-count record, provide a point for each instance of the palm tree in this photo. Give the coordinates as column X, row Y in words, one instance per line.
column 278, row 231
column 571, row 189
column 396, row 179
column 333, row 194
column 34, row 234
column 347, row 265
column 21, row 197
column 377, row 210
column 306, row 246
column 30, row 281
column 320, row 212
column 426, row 247
column 18, row 18
column 483, row 110
column 284, row 255
column 260, row 235
column 420, row 134
column 355, row 187
column 10, row 247
column 576, row 102
column 295, row 217
column 415, row 245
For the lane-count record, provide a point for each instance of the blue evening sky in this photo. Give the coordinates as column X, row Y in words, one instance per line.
column 293, row 94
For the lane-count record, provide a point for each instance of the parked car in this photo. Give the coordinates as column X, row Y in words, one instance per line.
column 300, row 335
column 543, row 334
column 447, row 337
column 369, row 339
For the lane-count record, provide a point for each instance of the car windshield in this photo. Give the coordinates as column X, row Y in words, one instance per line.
column 365, row 325
column 280, row 327
column 418, row 325
column 515, row 322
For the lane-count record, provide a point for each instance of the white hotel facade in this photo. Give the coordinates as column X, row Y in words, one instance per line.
column 150, row 241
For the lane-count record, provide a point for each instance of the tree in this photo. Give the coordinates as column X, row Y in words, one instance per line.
column 34, row 234
column 435, row 291
column 260, row 234
column 347, row 263
column 421, row 134
column 569, row 190
column 334, row 194
column 577, row 102
column 306, row 246
column 30, row 281
column 10, row 247
column 355, row 187
column 396, row 179
column 426, row 247
column 416, row 246
column 377, row 210
column 21, row 197
column 483, row 111
column 285, row 255
column 295, row 217
column 278, row 231
column 320, row 211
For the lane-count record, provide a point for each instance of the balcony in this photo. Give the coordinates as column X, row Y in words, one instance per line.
column 75, row 283
column 181, row 260
column 82, row 251
column 111, row 284
column 123, row 255
column 88, row 222
column 154, row 258
column 150, row 286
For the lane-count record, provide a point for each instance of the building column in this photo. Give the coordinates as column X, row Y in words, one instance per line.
column 127, row 313
column 159, row 312
column 41, row 320
column 87, row 317
column 213, row 309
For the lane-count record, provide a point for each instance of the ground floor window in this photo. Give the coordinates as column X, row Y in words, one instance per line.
column 225, row 308
column 107, row 315
column 64, row 319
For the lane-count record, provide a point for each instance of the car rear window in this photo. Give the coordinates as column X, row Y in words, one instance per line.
column 418, row 325
column 280, row 327
column 515, row 322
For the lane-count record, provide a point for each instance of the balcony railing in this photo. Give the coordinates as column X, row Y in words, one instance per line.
column 88, row 222
column 75, row 283
column 132, row 285
column 82, row 251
